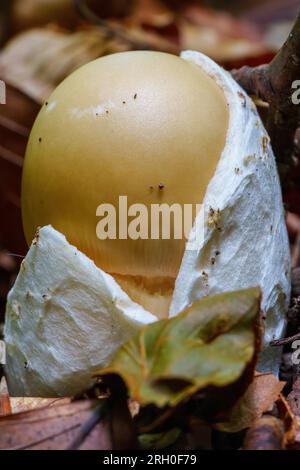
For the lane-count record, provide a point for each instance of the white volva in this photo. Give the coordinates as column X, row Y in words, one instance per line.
column 245, row 242
column 65, row 317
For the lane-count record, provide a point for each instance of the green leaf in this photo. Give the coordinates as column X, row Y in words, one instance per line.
column 160, row 440
column 208, row 345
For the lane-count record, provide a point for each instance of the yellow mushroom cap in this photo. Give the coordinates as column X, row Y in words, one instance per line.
column 146, row 125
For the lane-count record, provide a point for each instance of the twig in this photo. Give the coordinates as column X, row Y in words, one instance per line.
column 273, row 83
column 87, row 427
column 137, row 40
column 284, row 341
column 34, row 443
column 149, row 428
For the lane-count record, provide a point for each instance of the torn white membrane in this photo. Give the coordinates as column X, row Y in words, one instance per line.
column 245, row 242
column 65, row 317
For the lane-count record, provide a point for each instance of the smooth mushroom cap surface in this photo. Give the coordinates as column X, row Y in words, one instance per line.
column 146, row 125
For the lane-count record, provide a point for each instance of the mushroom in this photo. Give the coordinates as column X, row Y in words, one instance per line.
column 184, row 128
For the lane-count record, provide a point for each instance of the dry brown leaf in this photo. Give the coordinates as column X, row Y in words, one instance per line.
column 21, row 404
column 293, row 436
column 223, row 22
column 16, row 120
column 267, row 433
column 12, row 405
column 291, row 424
column 35, row 62
column 259, row 398
column 56, row 428
column 32, row 13
column 293, row 398
column 5, row 406
column 289, row 411
column 219, row 35
column 220, row 48
column 149, row 11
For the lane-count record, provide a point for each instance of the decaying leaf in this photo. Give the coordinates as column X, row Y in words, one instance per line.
column 21, row 404
column 267, row 433
column 217, row 46
column 290, row 415
column 66, row 426
column 220, row 35
column 35, row 62
column 293, row 436
column 5, row 405
column 13, row 405
column 260, row 396
column 30, row 13
column 294, row 398
column 209, row 344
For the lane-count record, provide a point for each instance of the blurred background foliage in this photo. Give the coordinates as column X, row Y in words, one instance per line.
column 43, row 41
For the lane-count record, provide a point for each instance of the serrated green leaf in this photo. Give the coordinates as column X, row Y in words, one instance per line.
column 209, row 344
